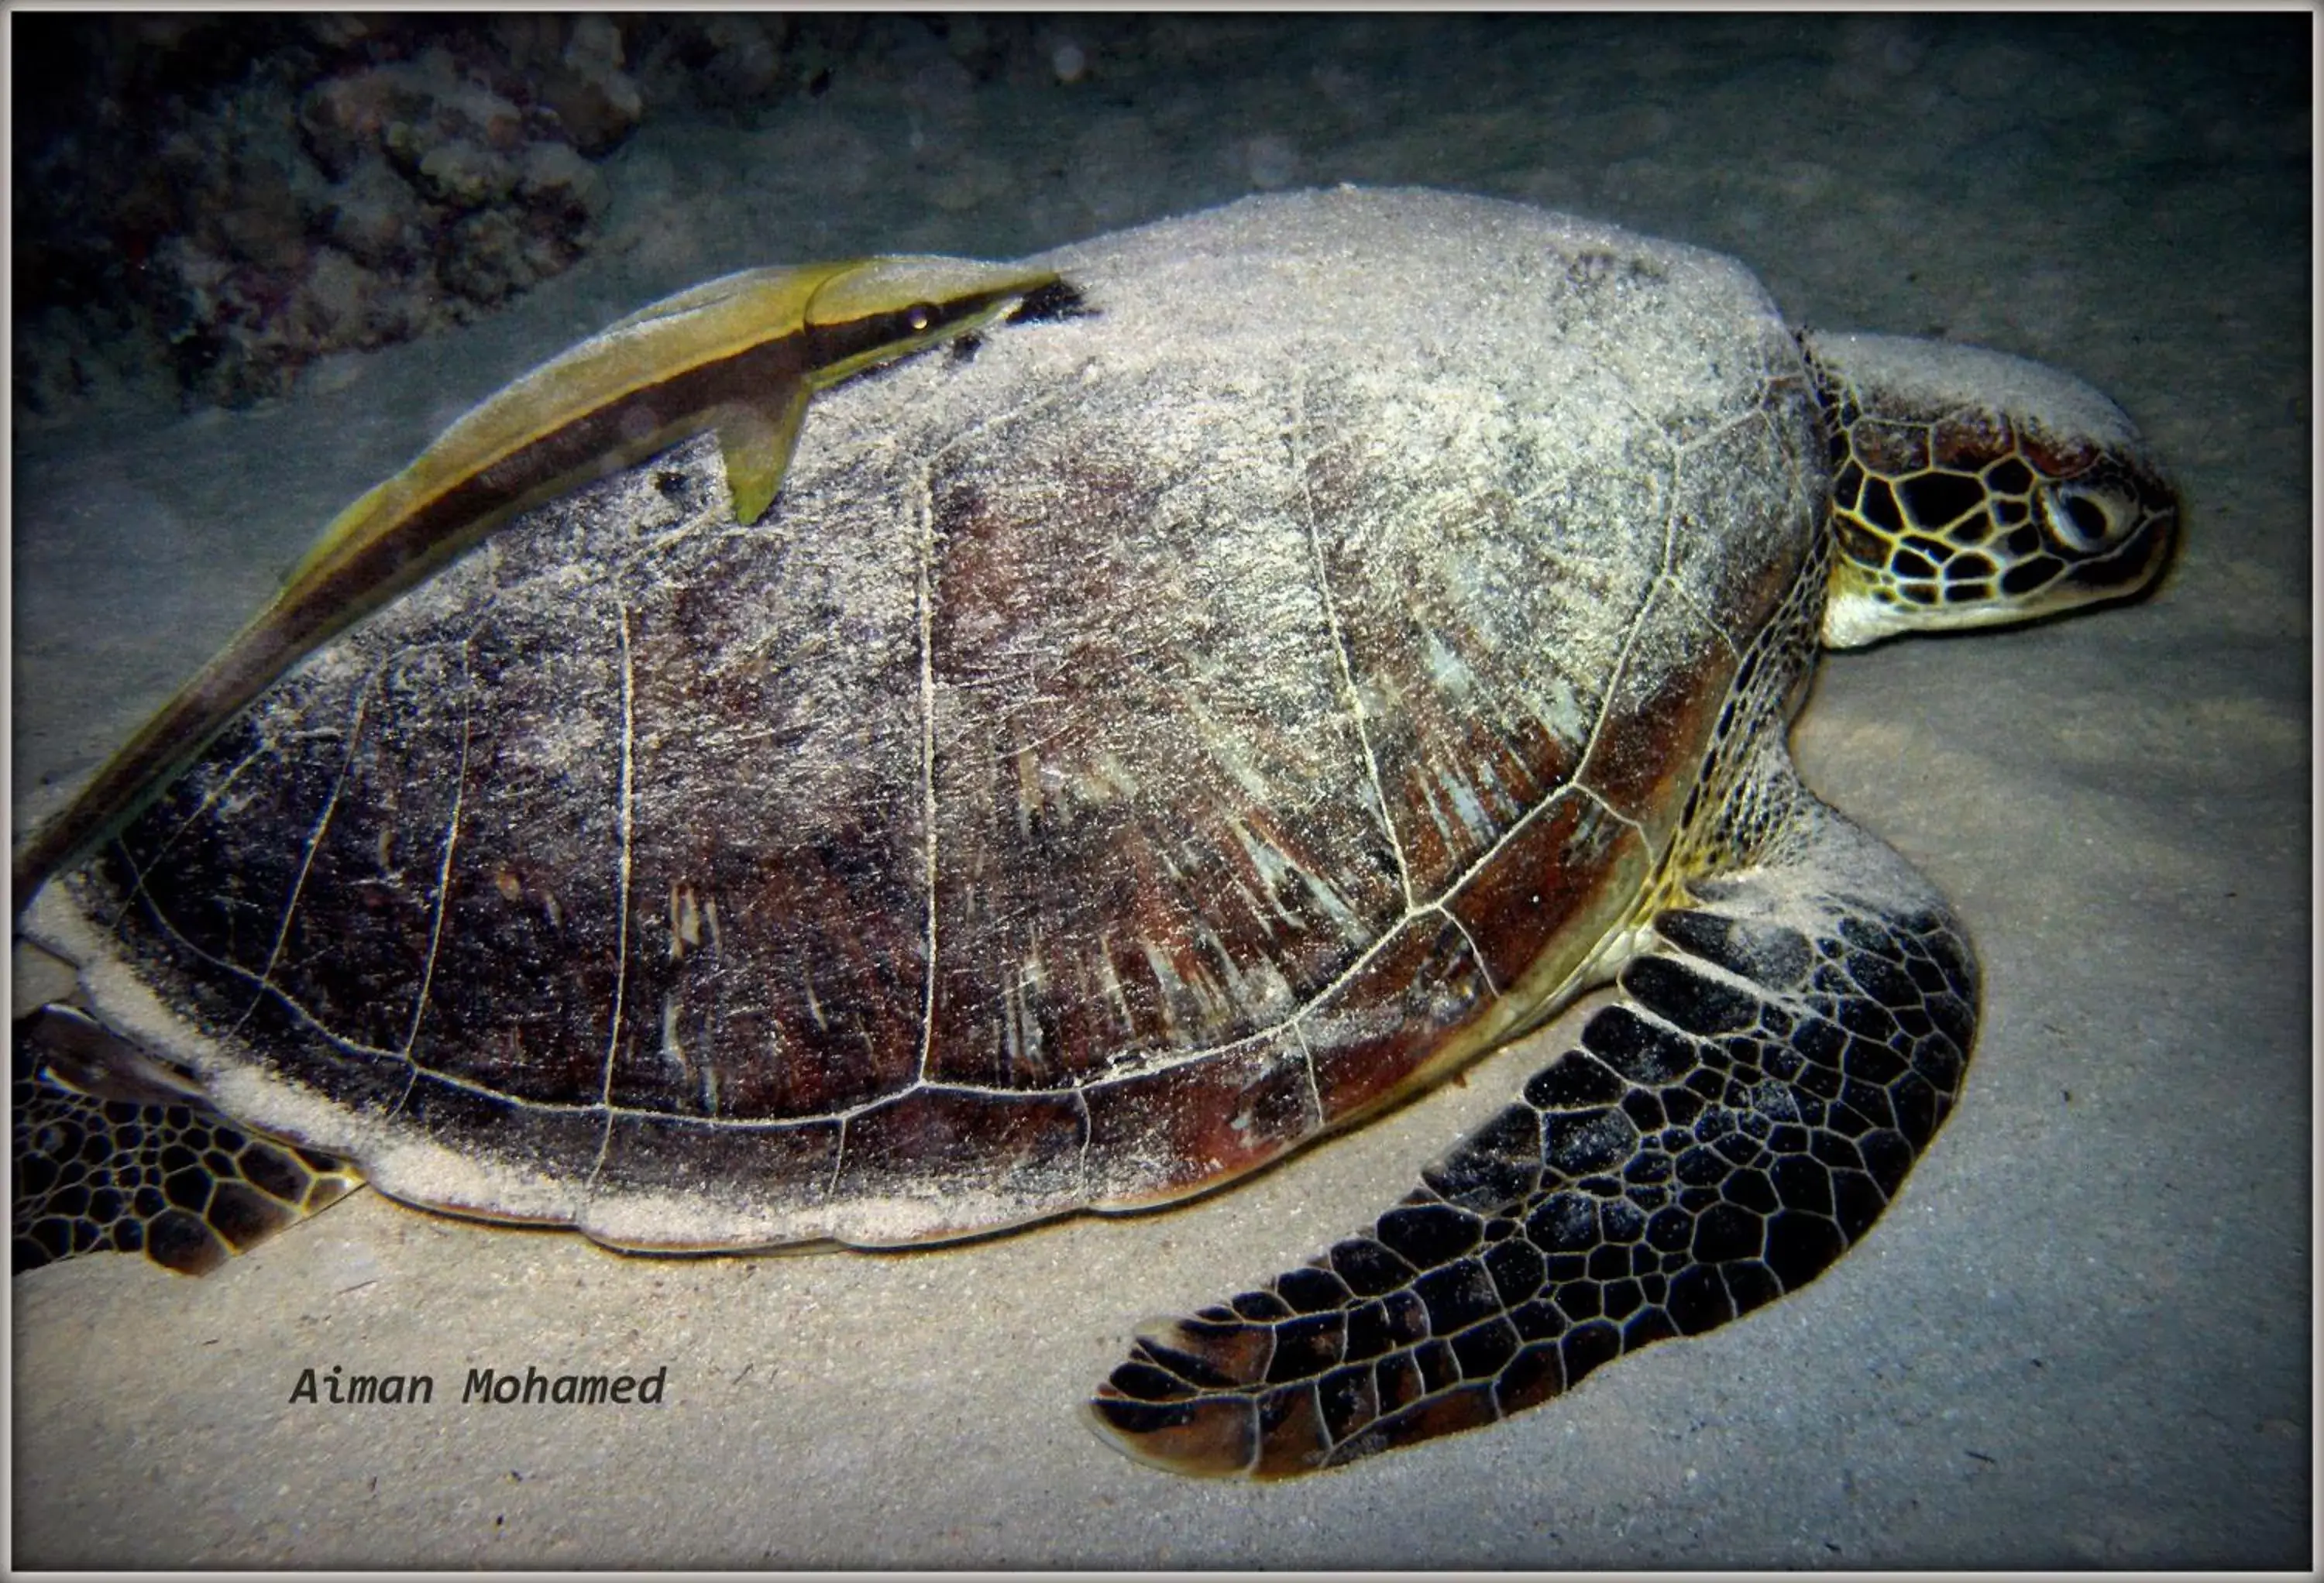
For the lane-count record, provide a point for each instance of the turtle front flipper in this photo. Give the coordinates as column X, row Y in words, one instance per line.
column 1741, row 1115
column 112, row 1157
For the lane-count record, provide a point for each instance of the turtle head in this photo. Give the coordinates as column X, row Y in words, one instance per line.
column 1970, row 488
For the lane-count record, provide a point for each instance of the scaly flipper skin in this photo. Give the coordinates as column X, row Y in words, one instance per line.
column 152, row 1171
column 1778, row 1058
column 737, row 357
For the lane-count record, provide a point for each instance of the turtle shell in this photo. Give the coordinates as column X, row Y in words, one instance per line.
column 1145, row 737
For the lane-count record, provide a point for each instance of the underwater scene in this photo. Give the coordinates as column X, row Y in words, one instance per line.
column 262, row 260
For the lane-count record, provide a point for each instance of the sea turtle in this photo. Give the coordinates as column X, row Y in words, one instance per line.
column 1147, row 734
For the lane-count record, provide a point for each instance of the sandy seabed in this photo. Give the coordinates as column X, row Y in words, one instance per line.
column 2080, row 1338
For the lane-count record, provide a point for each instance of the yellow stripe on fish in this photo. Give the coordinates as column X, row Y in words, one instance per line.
column 737, row 357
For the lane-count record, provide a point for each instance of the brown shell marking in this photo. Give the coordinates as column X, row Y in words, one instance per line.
column 1235, row 772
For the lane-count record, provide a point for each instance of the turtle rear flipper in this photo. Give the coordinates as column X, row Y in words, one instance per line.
column 1728, row 1127
column 114, row 1156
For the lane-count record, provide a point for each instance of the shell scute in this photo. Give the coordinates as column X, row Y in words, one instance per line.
column 1160, row 1134
column 1149, row 799
column 1367, row 1036
column 632, row 1203
column 945, row 1158
column 1570, row 866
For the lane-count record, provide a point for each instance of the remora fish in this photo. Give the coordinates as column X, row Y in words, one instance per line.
column 738, row 356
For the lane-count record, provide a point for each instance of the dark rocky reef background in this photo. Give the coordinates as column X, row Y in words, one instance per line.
column 206, row 204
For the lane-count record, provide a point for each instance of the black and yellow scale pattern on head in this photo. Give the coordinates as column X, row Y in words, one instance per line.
column 1954, row 508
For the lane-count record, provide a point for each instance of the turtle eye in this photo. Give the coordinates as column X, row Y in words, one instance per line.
column 2081, row 519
